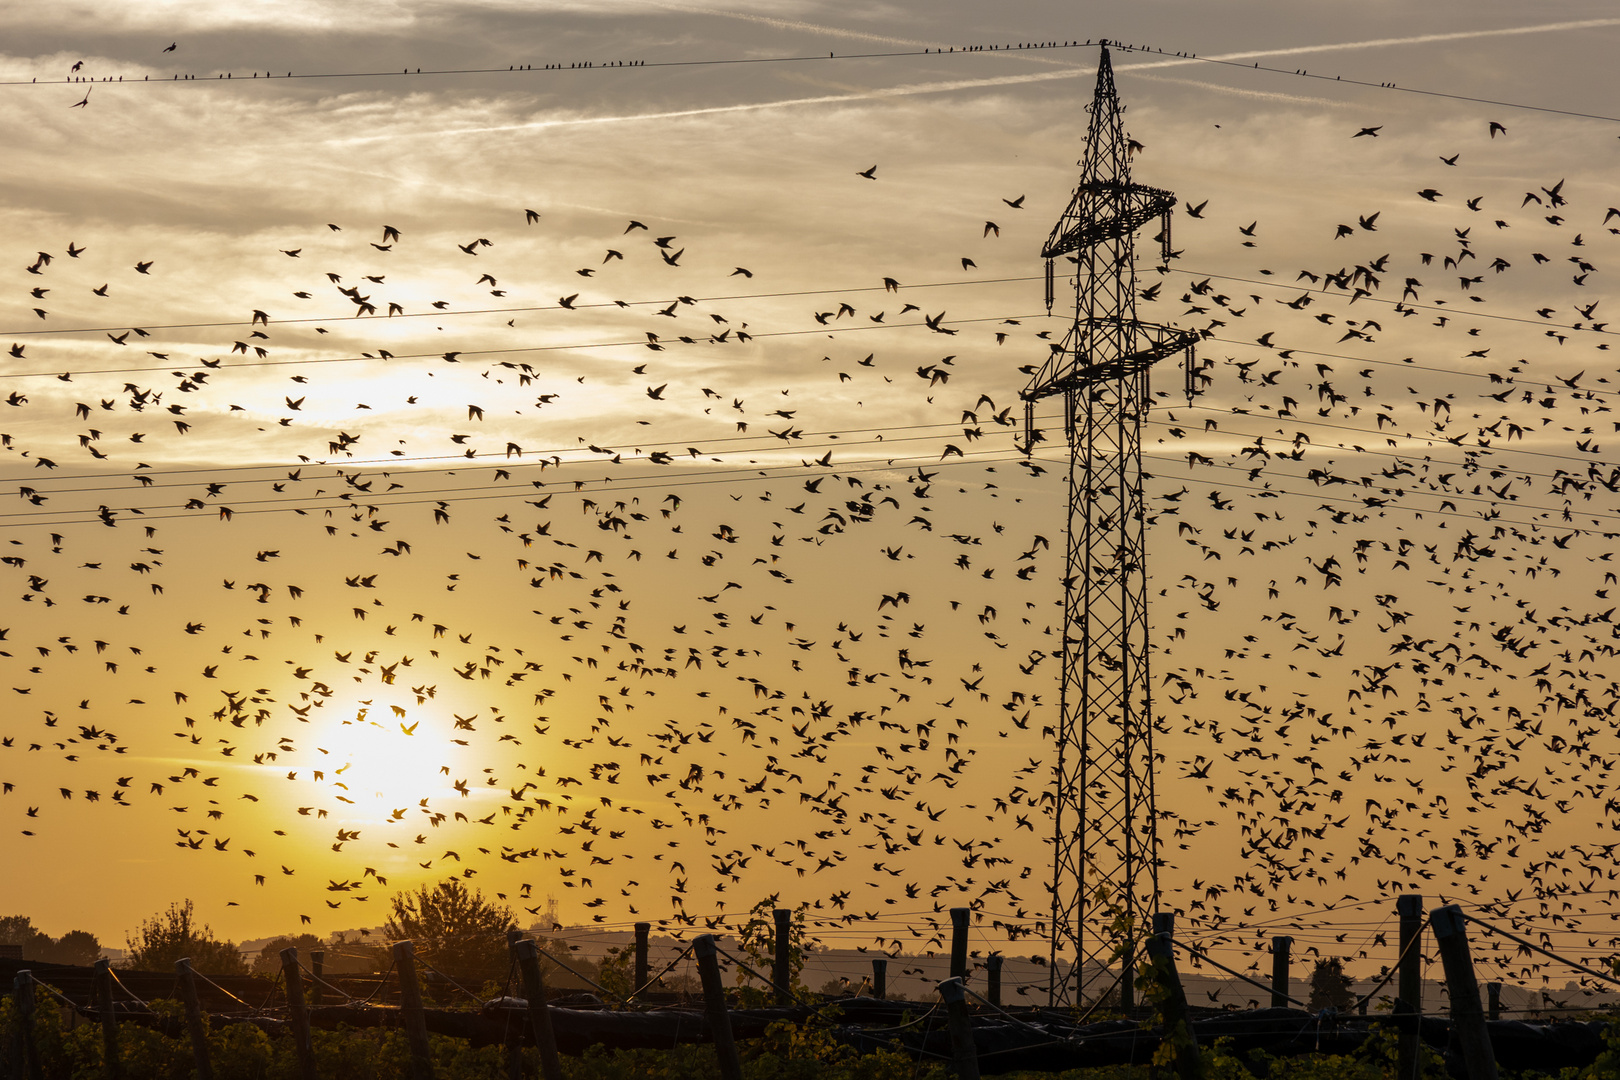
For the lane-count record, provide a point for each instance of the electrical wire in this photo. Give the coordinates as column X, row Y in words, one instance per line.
column 349, row 319
column 663, row 343
column 557, row 69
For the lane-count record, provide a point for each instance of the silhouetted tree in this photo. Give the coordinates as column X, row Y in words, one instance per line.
column 74, row 947
column 1330, row 986
column 20, row 930
column 455, row 931
column 268, row 962
column 78, row 947
column 170, row 935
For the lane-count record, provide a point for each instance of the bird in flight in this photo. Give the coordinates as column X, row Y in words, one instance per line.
column 82, row 102
column 1373, row 131
column 870, row 174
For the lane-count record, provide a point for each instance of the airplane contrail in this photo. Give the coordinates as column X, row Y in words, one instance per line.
column 948, row 85
column 794, row 24
column 1375, row 43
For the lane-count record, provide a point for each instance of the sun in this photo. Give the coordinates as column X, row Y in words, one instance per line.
column 378, row 765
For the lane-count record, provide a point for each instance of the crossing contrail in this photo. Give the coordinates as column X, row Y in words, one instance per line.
column 950, row 85
column 1376, row 43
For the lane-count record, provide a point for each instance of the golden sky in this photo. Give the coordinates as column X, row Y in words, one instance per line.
column 521, row 470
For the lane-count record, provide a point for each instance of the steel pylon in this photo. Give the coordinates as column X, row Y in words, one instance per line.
column 1105, row 838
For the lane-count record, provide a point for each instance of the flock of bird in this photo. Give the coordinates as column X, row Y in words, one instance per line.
column 729, row 641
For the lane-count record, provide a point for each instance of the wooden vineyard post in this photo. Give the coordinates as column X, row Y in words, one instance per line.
column 410, row 1007
column 781, row 970
column 514, row 1039
column 302, row 1044
column 112, row 1064
column 22, row 992
column 534, row 990
column 714, row 1004
column 317, row 968
column 1177, row 1029
column 196, row 1023
column 964, row 1056
column 643, row 969
column 1409, row 907
column 992, row 967
column 1281, row 948
column 959, row 943
column 880, row 977
column 1467, row 1020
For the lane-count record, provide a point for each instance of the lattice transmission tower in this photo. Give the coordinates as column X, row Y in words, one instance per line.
column 1105, row 841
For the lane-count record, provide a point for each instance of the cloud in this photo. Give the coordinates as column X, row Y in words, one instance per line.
column 795, row 24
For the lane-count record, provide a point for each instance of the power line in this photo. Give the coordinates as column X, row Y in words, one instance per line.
column 1454, row 313
column 577, row 67
column 662, row 343
column 56, row 331
column 633, row 483
column 1382, row 506
column 1431, row 440
column 536, row 458
column 1406, row 363
column 1396, row 454
column 1373, row 85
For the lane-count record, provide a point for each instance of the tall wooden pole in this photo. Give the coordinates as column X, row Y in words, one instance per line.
column 293, row 979
column 1409, row 908
column 643, row 969
column 1177, row 1029
column 317, row 967
column 714, row 1005
column 959, row 943
column 534, row 989
column 964, row 1055
column 1281, row 948
column 514, row 1036
column 782, row 970
column 411, row 1012
column 880, row 977
column 196, row 1023
column 1467, row 1019
column 22, row 991
column 112, row 1063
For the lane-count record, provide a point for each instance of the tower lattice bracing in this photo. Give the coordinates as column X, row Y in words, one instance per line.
column 1105, row 841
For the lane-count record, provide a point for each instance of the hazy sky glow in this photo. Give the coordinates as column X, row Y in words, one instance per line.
column 493, row 567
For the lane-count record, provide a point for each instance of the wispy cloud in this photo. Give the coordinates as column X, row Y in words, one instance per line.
column 794, row 24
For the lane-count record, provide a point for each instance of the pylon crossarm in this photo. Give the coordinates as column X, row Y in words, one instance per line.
column 1071, row 367
column 1105, row 210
